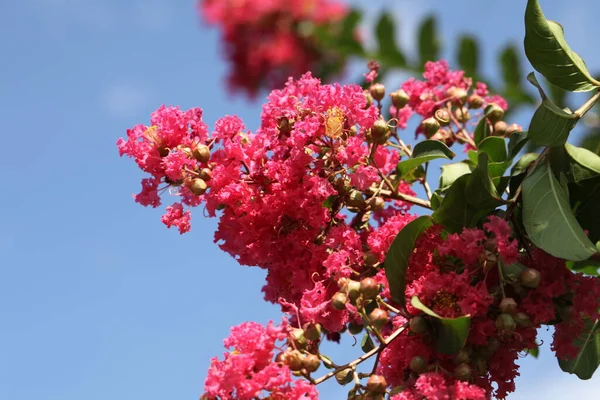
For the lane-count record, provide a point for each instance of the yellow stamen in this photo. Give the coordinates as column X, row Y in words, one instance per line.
column 334, row 122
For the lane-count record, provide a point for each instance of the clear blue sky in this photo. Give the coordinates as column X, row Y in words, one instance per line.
column 97, row 299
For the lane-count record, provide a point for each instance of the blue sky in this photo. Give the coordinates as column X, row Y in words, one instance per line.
column 97, row 299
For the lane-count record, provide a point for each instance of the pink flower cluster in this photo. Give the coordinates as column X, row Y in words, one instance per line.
column 267, row 41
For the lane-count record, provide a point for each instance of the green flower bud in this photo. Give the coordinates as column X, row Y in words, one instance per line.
column 377, row 384
column 399, row 98
column 377, row 91
column 418, row 364
column 201, row 153
column 369, row 288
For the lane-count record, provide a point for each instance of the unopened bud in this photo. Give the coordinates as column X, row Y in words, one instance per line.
column 442, row 116
column 505, row 322
column 198, row 187
column 201, row 153
column 344, row 376
column 206, row 174
column 418, row 364
column 380, row 131
column 418, row 325
column 430, row 126
column 312, row 331
column 293, row 359
column 379, row 318
column 458, row 93
column 522, row 320
column 339, row 300
column 462, row 114
column 462, row 357
column 480, row 366
column 371, row 258
column 298, row 338
column 355, row 328
column 462, row 372
column 353, row 290
column 377, row 203
column 311, row 362
column 356, row 199
column 513, row 128
column 494, row 113
column 508, row 306
column 377, row 91
column 475, row 101
column 500, row 128
column 369, row 288
column 399, row 98
column 377, row 384
column 530, row 278
column 369, row 100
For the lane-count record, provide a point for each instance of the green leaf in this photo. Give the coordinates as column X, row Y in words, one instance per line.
column 468, row 55
column 451, row 172
column 548, row 219
column 588, row 163
column 517, row 141
column 509, row 64
column 588, row 357
column 534, row 352
column 429, row 44
column 328, row 203
column 523, row 163
column 366, row 343
column 455, row 213
column 495, row 148
column 511, row 272
column 436, row 200
column 451, row 332
column 472, row 154
column 346, row 43
column 396, row 260
column 482, row 130
column 591, row 141
column 588, row 267
column 550, row 125
column 480, row 190
column 423, row 152
column 585, row 197
column 549, row 53
column 385, row 32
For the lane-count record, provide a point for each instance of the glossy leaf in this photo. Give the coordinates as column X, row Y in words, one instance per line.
column 549, row 53
column 509, row 65
column 385, row 32
column 516, row 142
column 482, row 131
column 548, row 219
column 451, row 333
column 588, row 357
column 587, row 164
column 585, row 198
column 429, row 43
column 523, row 163
column 588, row 267
column 366, row 343
column 451, row 172
column 423, row 152
column 550, row 125
column 396, row 260
column 495, row 148
column 468, row 55
column 480, row 189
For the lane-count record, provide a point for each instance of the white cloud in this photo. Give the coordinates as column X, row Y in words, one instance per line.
column 125, row 99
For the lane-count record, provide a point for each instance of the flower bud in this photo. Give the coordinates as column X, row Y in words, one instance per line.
column 505, row 322
column 353, row 290
column 462, row 372
column 354, row 328
column 512, row 128
column 371, row 258
column 500, row 128
column 377, row 384
column 201, row 153
column 377, row 91
column 339, row 300
column 418, row 325
column 458, row 93
column 399, row 98
column 430, row 126
column 198, row 186
column 311, row 362
column 494, row 113
column 344, row 376
column 293, row 359
column 312, row 331
column 530, row 278
column 462, row 114
column 418, row 364
column 355, row 199
column 442, row 116
column 206, row 174
column 522, row 320
column 475, row 101
column 480, row 366
column 369, row 100
column 380, row 131
column 508, row 306
column 298, row 338
column 379, row 318
column 462, row 357
column 377, row 203
column 369, row 288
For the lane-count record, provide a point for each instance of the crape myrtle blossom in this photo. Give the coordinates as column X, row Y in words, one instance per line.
column 313, row 197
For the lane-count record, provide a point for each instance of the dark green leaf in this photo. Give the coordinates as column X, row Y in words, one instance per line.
column 480, row 190
column 436, row 200
column 482, row 130
column 367, row 343
column 588, row 267
column 347, row 43
column 517, row 141
column 495, row 148
column 423, row 152
column 455, row 213
column 429, row 44
column 534, row 352
column 468, row 55
column 588, row 357
column 585, row 198
column 549, row 53
column 451, row 172
column 396, row 260
column 328, row 203
column 523, row 163
column 451, row 333
column 550, row 125
column 591, row 141
column 510, row 63
column 511, row 272
column 587, row 164
column 548, row 219
column 385, row 32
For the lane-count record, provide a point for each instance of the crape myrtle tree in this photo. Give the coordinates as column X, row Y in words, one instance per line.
column 321, row 197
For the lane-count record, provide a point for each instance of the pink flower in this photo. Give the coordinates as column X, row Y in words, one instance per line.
column 175, row 216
